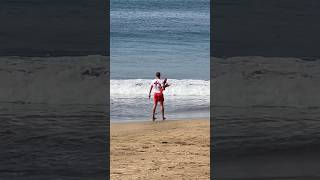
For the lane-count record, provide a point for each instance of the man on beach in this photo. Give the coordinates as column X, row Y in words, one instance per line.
column 159, row 86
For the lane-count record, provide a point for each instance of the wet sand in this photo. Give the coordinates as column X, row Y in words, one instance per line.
column 161, row 150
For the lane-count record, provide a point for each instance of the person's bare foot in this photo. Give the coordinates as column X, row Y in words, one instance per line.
column 153, row 119
column 164, row 118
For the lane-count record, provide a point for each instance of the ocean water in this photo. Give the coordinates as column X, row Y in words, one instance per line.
column 54, row 117
column 266, row 115
column 54, row 80
column 53, row 28
column 41, row 141
column 265, row 101
column 168, row 36
column 54, row 72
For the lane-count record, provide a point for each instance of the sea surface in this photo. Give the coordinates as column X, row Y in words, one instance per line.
column 54, row 72
column 265, row 102
column 265, row 117
column 54, row 117
column 53, row 28
column 170, row 36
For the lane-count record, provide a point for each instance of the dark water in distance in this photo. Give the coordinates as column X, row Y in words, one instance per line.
column 269, row 28
column 54, row 28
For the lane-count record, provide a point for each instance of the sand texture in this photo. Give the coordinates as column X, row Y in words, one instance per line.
column 162, row 150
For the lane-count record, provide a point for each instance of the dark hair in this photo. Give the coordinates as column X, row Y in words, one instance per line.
column 158, row 74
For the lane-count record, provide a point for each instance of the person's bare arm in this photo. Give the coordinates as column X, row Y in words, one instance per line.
column 150, row 91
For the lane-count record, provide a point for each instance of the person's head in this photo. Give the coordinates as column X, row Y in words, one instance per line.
column 158, row 74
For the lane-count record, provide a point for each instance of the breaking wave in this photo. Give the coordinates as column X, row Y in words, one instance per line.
column 54, row 80
column 265, row 81
column 178, row 88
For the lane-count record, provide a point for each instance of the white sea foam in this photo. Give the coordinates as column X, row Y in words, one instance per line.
column 179, row 88
column 54, row 80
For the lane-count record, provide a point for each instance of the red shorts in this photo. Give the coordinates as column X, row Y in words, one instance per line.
column 158, row 97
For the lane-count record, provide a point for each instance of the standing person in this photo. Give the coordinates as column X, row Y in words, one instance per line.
column 158, row 85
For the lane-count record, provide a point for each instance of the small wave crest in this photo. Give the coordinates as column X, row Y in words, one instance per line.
column 178, row 88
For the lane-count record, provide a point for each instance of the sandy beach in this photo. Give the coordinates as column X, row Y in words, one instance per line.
column 171, row 149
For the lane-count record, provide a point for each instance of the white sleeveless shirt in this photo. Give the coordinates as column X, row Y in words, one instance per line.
column 157, row 85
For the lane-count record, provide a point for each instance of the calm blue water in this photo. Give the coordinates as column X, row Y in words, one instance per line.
column 171, row 36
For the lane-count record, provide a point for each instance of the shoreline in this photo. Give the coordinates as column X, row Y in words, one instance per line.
column 175, row 149
column 118, row 121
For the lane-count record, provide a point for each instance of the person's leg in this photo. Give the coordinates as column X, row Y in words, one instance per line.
column 154, row 110
column 162, row 110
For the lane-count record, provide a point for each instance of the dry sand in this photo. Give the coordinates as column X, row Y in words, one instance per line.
column 161, row 150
